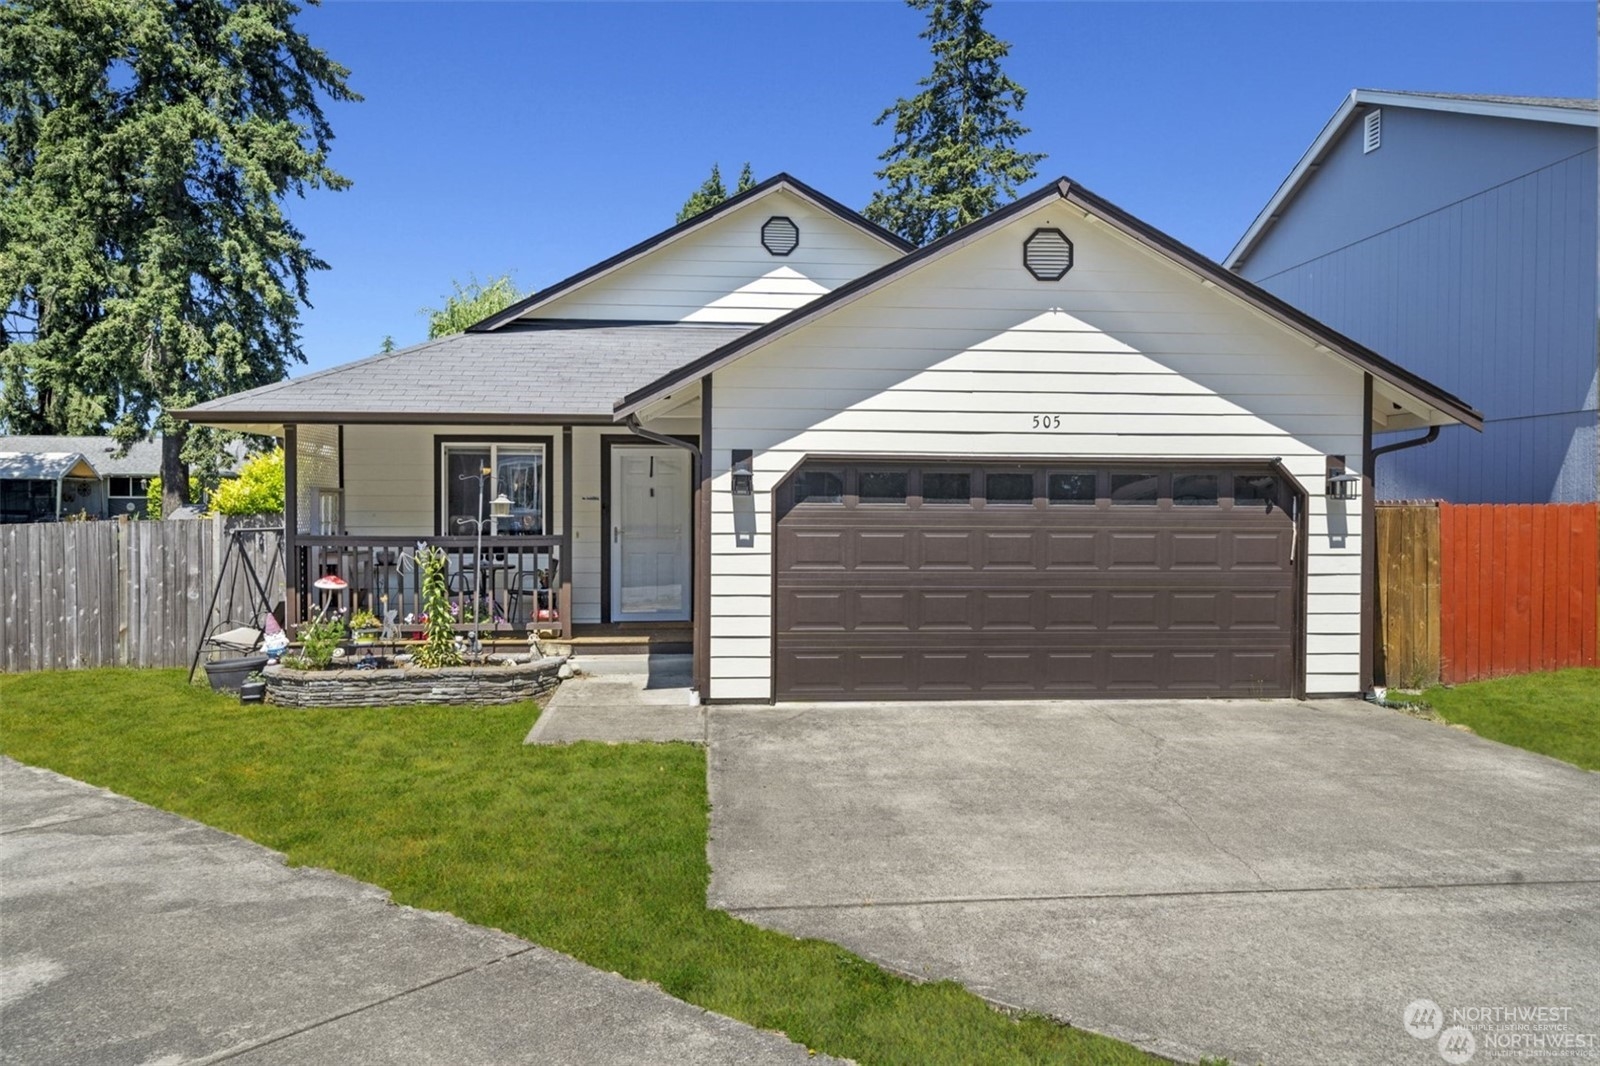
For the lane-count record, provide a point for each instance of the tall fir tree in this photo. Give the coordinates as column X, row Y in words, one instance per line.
column 954, row 156
column 146, row 264
column 712, row 192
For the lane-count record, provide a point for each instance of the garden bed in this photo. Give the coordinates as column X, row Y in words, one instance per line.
column 491, row 683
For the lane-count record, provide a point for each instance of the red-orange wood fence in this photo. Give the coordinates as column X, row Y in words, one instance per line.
column 1519, row 588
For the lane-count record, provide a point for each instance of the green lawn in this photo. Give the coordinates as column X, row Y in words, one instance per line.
column 598, row 851
column 1555, row 714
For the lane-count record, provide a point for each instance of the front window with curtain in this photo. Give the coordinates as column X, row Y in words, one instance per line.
column 518, row 470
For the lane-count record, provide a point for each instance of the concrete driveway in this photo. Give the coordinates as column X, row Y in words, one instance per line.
column 1269, row 881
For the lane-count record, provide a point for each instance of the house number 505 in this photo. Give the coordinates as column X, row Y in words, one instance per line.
column 1046, row 421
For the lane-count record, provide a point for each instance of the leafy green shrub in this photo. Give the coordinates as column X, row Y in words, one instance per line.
column 152, row 495
column 318, row 641
column 257, row 490
column 439, row 644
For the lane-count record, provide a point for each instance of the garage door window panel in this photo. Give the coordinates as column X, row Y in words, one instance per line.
column 1257, row 490
column 1009, row 488
column 1194, row 490
column 1135, row 488
column 883, row 486
column 946, row 487
column 819, row 487
column 1074, row 487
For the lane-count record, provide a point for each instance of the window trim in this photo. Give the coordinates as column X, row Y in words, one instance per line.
column 491, row 441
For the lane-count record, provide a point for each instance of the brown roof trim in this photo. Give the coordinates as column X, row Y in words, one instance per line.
column 388, row 418
column 1112, row 215
column 806, row 192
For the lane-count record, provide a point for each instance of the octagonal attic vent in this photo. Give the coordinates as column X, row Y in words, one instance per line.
column 1047, row 254
column 779, row 235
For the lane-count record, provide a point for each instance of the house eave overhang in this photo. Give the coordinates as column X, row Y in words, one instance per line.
column 777, row 182
column 1357, row 101
column 233, row 419
column 1208, row 271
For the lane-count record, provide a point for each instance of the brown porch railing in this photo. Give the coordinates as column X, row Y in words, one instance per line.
column 523, row 586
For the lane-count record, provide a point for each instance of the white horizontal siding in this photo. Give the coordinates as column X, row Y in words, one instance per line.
column 721, row 273
column 1136, row 356
column 755, row 689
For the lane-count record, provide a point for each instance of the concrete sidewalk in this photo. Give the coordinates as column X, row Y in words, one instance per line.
column 618, row 699
column 131, row 935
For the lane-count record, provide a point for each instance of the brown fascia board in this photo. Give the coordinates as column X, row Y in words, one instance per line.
column 827, row 203
column 1112, row 215
column 386, row 418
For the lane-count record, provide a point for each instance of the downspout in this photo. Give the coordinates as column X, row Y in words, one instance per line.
column 632, row 422
column 1415, row 442
column 1369, row 538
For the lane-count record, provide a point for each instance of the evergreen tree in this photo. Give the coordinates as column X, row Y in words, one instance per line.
column 468, row 305
column 954, row 155
column 146, row 149
column 712, row 192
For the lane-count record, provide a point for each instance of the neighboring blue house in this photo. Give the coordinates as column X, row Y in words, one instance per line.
column 1456, row 234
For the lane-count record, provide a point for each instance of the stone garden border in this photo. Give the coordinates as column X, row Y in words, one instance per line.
column 455, row 685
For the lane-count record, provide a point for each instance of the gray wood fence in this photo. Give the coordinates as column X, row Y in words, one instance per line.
column 124, row 593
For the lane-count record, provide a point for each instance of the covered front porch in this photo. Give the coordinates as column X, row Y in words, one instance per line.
column 559, row 528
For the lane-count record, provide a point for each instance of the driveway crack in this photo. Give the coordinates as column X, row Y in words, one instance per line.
column 1173, row 797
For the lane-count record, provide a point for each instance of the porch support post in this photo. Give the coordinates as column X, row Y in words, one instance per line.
column 702, row 549
column 291, row 526
column 1369, row 541
column 565, row 608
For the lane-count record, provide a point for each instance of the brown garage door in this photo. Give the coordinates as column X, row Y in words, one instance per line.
column 936, row 581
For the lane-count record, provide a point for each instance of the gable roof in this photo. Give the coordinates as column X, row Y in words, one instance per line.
column 1558, row 109
column 143, row 458
column 1066, row 190
column 546, row 369
column 628, row 255
column 44, row 466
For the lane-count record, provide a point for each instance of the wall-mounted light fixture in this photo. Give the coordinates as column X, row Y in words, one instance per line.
column 1342, row 485
column 744, row 480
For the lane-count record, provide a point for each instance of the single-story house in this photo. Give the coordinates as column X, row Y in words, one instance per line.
column 46, row 478
column 1054, row 454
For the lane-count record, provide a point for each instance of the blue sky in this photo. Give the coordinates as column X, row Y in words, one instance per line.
column 537, row 138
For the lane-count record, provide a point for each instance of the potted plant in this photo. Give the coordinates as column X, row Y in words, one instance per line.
column 226, row 675
column 365, row 627
column 254, row 688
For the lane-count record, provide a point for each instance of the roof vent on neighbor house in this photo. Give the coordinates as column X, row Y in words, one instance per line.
column 780, row 235
column 1372, row 131
column 1047, row 254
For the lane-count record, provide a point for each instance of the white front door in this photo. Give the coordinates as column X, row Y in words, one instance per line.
column 649, row 534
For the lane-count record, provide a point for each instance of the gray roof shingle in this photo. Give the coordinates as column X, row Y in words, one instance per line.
column 551, row 367
column 143, row 459
column 1566, row 102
